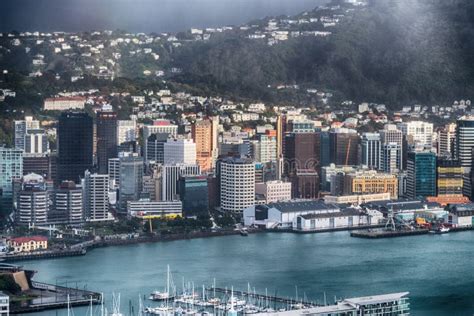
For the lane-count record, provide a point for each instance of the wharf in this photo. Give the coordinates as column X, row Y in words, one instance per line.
column 379, row 233
column 261, row 296
column 48, row 296
column 46, row 254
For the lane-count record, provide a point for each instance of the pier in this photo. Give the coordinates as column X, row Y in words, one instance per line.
column 261, row 296
column 375, row 234
column 46, row 254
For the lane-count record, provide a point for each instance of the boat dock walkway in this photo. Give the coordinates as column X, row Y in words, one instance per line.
column 380, row 233
column 261, row 296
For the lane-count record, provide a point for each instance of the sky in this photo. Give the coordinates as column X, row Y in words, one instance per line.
column 139, row 15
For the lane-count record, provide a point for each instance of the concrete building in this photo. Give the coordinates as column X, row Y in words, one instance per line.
column 371, row 148
column 461, row 215
column 465, row 142
column 155, row 148
column 237, row 184
column 144, row 208
column 449, row 177
column 265, row 148
column 305, row 184
column 170, row 178
column 179, row 151
column 64, row 103
column 357, row 199
column 126, row 131
column 21, row 129
column 33, row 203
column 36, row 142
column 96, row 197
column 446, row 140
column 418, row 133
column 371, row 181
column 68, row 205
column 274, row 191
column 4, row 304
column 159, row 126
column 391, row 157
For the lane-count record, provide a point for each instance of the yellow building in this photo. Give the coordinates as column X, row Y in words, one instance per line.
column 371, row 181
column 28, row 244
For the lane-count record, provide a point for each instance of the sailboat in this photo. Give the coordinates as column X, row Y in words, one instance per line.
column 116, row 305
column 164, row 296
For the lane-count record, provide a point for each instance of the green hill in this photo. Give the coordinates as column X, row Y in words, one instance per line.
column 391, row 51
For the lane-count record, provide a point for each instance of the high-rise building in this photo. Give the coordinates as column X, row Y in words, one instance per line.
column 194, row 193
column 204, row 134
column 32, row 205
column 274, row 191
column 126, row 131
column 68, row 208
column 391, row 156
column 446, row 140
column 421, row 174
column 369, row 182
column 159, row 126
column 21, row 129
column 155, row 148
column 265, row 148
column 36, row 142
column 302, row 152
column 418, row 133
column 343, row 146
column 131, row 180
column 281, row 132
column 42, row 164
column 170, row 178
column 106, row 139
column 237, row 184
column 449, row 177
column 465, row 141
column 96, row 196
column 75, row 142
column 305, row 184
column 11, row 168
column 179, row 151
column 371, row 150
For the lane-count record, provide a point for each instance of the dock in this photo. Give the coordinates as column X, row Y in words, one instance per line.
column 46, row 254
column 379, row 233
column 271, row 298
column 49, row 296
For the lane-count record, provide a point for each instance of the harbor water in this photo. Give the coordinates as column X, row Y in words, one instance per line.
column 435, row 269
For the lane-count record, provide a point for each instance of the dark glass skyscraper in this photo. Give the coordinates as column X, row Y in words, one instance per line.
column 343, row 147
column 75, row 139
column 421, row 180
column 193, row 192
column 106, row 139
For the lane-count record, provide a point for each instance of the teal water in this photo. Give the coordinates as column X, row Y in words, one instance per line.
column 437, row 270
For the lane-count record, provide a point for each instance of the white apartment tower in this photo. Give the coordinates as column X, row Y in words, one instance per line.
column 237, row 184
column 96, row 196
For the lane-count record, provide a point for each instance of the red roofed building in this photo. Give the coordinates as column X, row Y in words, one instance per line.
column 64, row 103
column 28, row 244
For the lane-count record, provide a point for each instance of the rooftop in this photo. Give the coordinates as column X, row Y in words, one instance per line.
column 300, row 206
